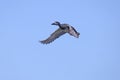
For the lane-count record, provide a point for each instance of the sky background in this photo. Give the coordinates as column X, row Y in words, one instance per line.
column 93, row 56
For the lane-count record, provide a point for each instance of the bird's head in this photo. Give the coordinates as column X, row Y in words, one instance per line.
column 56, row 23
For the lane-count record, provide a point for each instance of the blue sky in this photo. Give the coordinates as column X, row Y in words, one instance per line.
column 94, row 56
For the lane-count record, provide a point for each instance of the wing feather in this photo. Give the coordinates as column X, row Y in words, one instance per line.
column 59, row 32
column 73, row 32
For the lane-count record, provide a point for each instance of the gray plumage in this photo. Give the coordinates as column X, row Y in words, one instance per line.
column 63, row 28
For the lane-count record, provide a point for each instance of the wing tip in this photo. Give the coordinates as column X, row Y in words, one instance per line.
column 44, row 42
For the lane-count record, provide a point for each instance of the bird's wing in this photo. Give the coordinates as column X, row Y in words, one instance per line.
column 54, row 36
column 73, row 32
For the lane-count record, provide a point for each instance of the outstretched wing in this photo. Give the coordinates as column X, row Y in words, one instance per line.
column 54, row 36
column 73, row 32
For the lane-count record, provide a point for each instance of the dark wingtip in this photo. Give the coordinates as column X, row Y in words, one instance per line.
column 44, row 42
column 78, row 33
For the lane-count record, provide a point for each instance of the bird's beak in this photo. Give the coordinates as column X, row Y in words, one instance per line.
column 53, row 24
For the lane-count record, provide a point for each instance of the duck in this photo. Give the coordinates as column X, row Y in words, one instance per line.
column 63, row 29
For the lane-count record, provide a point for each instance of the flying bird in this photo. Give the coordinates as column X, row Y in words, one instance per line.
column 63, row 28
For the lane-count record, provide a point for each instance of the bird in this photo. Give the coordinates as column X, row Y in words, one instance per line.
column 63, row 28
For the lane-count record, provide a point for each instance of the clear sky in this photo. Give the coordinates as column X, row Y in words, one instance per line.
column 93, row 56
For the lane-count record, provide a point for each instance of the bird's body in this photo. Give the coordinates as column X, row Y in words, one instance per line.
column 63, row 28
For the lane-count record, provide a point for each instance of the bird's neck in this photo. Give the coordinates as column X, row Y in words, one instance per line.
column 59, row 25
